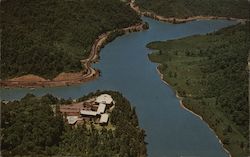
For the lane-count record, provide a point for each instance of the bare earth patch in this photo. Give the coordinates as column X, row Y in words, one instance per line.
column 29, row 77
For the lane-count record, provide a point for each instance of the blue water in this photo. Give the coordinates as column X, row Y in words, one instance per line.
column 171, row 131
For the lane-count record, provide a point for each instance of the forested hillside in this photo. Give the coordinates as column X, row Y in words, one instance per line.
column 188, row 8
column 210, row 72
column 30, row 127
column 47, row 37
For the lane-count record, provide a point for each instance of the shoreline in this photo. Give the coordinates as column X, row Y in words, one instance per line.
column 174, row 20
column 71, row 78
column 192, row 112
column 89, row 73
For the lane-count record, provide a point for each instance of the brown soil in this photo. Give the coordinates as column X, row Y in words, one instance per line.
column 29, row 77
column 64, row 79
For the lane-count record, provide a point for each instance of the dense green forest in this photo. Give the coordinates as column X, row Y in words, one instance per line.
column 30, row 127
column 187, row 8
column 210, row 72
column 51, row 36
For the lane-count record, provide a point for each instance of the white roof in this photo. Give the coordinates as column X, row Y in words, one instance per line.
column 72, row 119
column 101, row 108
column 89, row 113
column 104, row 98
column 104, row 118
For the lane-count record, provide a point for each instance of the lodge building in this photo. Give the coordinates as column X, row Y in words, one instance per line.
column 95, row 109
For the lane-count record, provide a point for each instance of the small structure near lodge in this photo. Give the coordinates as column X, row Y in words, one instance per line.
column 104, row 98
column 92, row 109
column 104, row 118
column 72, row 119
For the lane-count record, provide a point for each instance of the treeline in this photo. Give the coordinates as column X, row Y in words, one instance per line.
column 34, row 127
column 210, row 72
column 188, row 8
column 48, row 37
column 29, row 127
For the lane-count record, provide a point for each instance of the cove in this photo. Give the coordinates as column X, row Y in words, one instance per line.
column 125, row 67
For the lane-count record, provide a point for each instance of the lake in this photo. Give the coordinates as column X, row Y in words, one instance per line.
column 125, row 67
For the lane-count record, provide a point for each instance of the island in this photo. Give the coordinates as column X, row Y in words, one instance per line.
column 100, row 124
column 210, row 76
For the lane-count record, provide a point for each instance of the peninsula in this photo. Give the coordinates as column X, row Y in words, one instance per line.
column 48, row 126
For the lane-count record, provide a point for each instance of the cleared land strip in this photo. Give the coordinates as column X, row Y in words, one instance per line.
column 175, row 20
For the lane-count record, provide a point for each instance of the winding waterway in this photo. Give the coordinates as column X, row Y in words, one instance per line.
column 171, row 130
